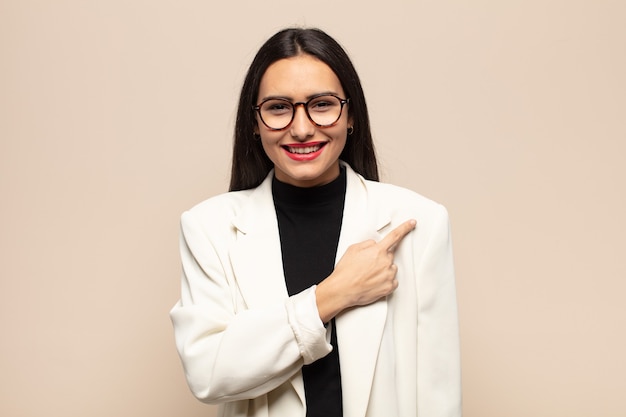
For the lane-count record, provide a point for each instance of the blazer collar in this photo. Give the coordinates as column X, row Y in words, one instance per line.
column 261, row 205
column 359, row 330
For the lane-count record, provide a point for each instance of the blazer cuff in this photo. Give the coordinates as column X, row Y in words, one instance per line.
column 307, row 326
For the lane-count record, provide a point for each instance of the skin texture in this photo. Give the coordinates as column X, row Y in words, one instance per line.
column 297, row 79
column 366, row 271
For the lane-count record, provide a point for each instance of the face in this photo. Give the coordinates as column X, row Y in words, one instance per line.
column 303, row 154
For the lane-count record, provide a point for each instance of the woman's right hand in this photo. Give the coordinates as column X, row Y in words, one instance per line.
column 363, row 275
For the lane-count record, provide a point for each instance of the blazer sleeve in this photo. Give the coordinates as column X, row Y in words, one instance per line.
column 230, row 353
column 438, row 354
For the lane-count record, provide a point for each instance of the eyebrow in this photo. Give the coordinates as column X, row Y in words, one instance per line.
column 323, row 93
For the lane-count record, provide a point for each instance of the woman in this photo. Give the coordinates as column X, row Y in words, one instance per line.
column 311, row 289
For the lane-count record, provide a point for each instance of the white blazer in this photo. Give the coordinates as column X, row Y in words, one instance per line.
column 243, row 340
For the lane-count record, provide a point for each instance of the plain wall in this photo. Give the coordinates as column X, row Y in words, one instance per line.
column 115, row 116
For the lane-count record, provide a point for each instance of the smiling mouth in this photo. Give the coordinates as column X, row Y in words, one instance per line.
column 303, row 150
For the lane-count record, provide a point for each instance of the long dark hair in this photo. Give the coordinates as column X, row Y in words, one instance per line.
column 250, row 164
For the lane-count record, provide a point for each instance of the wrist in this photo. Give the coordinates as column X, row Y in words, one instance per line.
column 329, row 301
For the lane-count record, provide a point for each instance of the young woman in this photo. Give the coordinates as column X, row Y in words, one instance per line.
column 311, row 289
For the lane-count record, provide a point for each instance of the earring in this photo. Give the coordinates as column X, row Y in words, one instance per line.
column 256, row 136
column 350, row 130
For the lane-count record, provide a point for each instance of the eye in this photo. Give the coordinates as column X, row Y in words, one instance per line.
column 323, row 104
column 276, row 107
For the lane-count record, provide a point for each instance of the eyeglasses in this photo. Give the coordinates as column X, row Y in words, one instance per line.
column 323, row 110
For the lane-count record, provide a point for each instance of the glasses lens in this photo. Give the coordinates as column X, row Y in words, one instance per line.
column 324, row 110
column 276, row 113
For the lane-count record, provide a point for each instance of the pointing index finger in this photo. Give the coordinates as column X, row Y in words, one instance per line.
column 394, row 237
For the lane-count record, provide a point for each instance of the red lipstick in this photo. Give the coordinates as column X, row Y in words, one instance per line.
column 304, row 151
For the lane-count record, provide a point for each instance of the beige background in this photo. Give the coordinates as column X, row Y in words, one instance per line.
column 115, row 116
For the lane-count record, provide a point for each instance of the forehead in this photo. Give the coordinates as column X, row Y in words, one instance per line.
column 297, row 78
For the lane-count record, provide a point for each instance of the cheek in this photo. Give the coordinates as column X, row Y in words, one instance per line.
column 269, row 144
column 265, row 145
column 339, row 138
column 340, row 131
column 268, row 138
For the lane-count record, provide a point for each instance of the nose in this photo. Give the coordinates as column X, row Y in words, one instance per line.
column 301, row 127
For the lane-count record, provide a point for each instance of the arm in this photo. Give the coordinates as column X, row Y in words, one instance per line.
column 438, row 356
column 229, row 354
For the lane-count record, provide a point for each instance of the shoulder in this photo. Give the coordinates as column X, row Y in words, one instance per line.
column 395, row 202
column 216, row 212
column 397, row 193
column 222, row 203
column 399, row 204
column 400, row 199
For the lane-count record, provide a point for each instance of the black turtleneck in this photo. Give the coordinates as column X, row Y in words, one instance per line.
column 309, row 223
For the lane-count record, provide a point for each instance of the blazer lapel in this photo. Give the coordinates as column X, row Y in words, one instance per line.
column 359, row 330
column 256, row 257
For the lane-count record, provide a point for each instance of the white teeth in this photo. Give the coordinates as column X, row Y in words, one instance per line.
column 308, row 149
